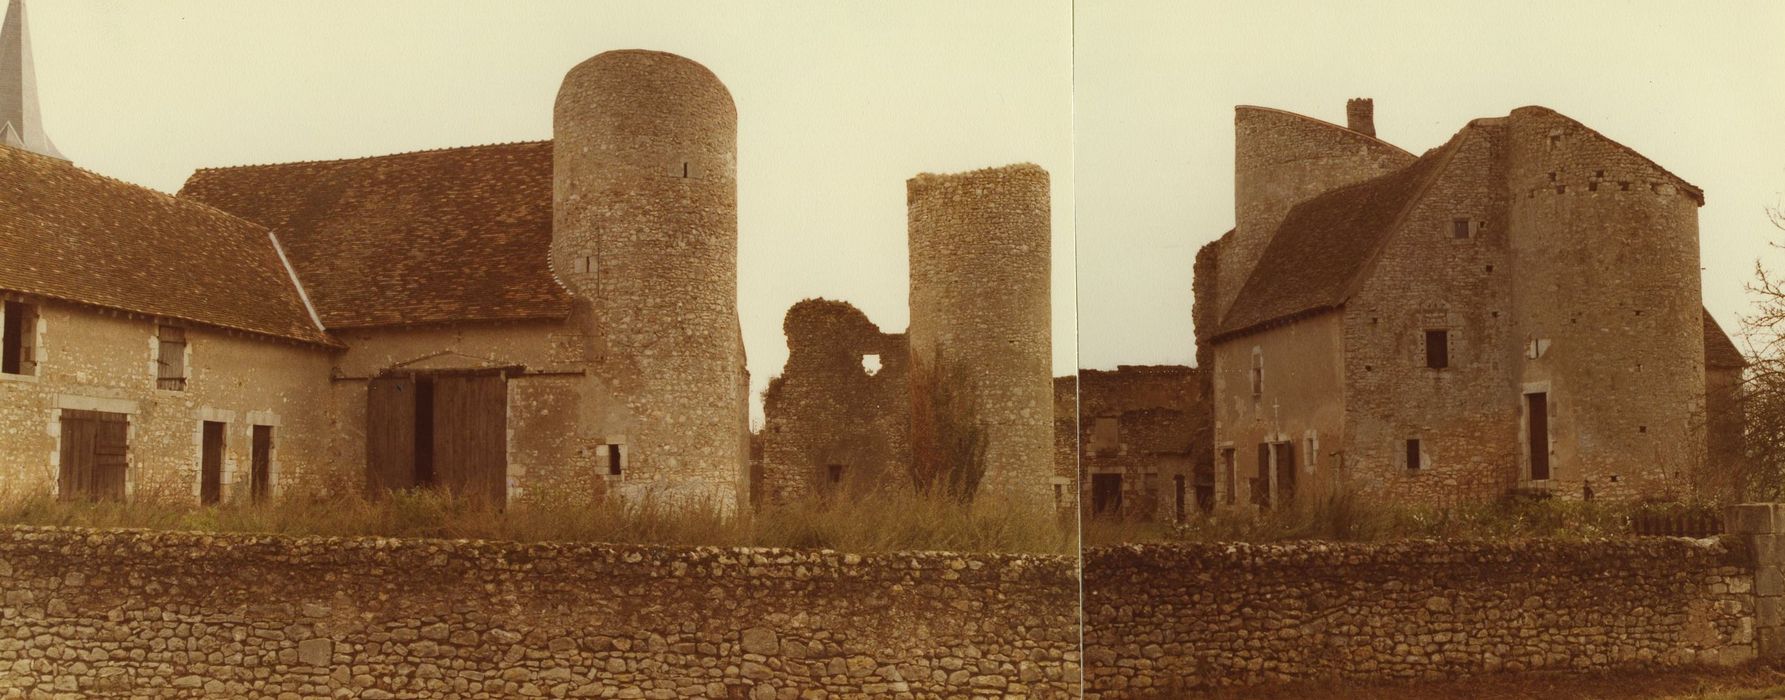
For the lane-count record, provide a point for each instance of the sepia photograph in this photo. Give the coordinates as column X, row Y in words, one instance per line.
column 908, row 349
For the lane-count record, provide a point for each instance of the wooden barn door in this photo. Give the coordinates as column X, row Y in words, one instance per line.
column 471, row 435
column 94, row 455
column 390, row 434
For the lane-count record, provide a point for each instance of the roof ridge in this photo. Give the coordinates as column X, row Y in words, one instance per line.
column 168, row 196
column 420, row 151
column 1695, row 190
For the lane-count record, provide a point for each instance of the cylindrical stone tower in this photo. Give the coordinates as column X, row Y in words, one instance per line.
column 1607, row 304
column 645, row 237
column 980, row 308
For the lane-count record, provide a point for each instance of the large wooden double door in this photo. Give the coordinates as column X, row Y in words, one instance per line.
column 93, row 458
column 439, row 430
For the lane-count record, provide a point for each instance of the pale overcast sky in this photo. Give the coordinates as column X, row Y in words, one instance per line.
column 1694, row 86
column 838, row 103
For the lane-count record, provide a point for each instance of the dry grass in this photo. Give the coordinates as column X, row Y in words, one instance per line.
column 1343, row 516
column 888, row 523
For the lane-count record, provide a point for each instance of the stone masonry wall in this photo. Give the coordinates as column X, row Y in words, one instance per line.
column 980, row 304
column 163, row 615
column 89, row 360
column 827, row 409
column 1162, row 620
column 645, row 237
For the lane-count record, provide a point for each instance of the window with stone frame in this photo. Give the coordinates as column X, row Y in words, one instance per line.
column 1257, row 372
column 1435, row 345
column 1415, row 459
column 18, row 339
column 170, row 358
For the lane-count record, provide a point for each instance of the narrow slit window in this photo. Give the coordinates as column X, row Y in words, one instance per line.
column 1257, row 373
column 17, row 332
column 1413, row 455
column 1438, row 349
column 170, row 358
column 613, row 460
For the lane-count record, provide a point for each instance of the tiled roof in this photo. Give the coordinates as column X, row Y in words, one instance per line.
column 1718, row 350
column 461, row 234
column 69, row 234
column 1324, row 244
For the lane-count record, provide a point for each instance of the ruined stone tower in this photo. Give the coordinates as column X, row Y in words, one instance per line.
column 980, row 272
column 1606, row 294
column 645, row 237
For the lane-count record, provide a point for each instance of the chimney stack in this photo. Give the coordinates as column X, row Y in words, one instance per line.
column 1360, row 115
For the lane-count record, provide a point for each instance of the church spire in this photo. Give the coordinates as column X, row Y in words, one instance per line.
column 20, row 124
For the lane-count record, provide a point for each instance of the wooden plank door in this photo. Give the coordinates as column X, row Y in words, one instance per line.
column 260, row 470
column 471, row 436
column 1537, row 412
column 210, row 467
column 80, row 431
column 111, row 450
column 390, row 434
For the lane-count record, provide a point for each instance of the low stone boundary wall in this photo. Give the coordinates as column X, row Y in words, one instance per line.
column 1161, row 620
column 94, row 613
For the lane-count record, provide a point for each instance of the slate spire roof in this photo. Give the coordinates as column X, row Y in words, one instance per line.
column 20, row 124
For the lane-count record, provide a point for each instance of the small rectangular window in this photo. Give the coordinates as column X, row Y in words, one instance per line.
column 833, row 474
column 613, row 460
column 170, row 358
column 1437, row 349
column 1257, row 374
column 1461, row 228
column 18, row 330
column 1413, row 455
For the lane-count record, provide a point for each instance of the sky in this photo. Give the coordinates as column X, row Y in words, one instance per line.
column 1695, row 87
column 838, row 104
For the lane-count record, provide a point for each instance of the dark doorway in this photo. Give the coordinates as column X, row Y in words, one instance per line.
column 442, row 430
column 1106, row 494
column 1285, row 471
column 260, row 469
column 1178, row 488
column 210, row 464
column 94, row 448
column 1537, row 431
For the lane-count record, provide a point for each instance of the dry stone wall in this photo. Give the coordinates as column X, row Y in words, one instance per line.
column 138, row 614
column 1161, row 620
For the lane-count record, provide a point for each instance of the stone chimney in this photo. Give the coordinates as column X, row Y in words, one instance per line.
column 1360, row 115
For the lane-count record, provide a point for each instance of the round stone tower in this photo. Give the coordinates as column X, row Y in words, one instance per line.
column 645, row 237
column 1607, row 304
column 981, row 315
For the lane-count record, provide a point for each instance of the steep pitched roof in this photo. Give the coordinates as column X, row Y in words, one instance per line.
column 461, row 234
column 1719, row 351
column 21, row 124
column 69, row 234
column 1325, row 243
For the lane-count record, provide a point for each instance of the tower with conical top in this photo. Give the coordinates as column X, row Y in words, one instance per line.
column 21, row 126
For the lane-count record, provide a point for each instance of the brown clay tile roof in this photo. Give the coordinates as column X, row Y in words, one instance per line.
column 459, row 234
column 1718, row 350
column 1325, row 244
column 72, row 235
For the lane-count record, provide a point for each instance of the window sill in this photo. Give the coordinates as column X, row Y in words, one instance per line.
column 29, row 378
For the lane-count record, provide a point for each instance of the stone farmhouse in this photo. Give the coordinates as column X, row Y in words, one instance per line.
column 1144, row 451
column 1516, row 309
column 841, row 416
column 552, row 321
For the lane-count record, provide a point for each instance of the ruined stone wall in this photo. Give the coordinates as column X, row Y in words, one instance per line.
column 827, row 409
column 1281, row 159
column 548, row 457
column 142, row 614
column 1157, row 410
column 91, row 360
column 980, row 262
column 1605, row 270
column 1163, row 620
column 1425, row 278
column 1303, row 398
column 645, row 236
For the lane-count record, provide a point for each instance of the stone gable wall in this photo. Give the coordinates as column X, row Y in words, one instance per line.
column 161, row 614
column 1161, row 620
